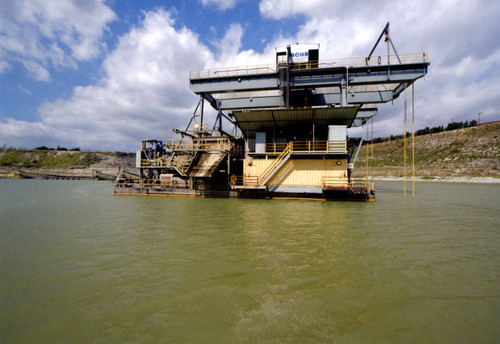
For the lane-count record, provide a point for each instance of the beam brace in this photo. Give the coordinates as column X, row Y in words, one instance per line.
column 371, row 97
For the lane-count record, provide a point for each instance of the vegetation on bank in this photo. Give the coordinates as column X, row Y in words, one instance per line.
column 50, row 158
column 433, row 130
column 472, row 152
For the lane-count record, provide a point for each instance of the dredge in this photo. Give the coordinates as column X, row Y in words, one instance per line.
column 288, row 123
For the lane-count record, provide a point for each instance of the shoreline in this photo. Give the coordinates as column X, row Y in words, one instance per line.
column 468, row 180
column 88, row 174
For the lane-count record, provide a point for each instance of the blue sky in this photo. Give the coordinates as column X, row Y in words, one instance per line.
column 106, row 74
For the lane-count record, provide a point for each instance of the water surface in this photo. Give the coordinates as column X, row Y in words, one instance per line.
column 81, row 265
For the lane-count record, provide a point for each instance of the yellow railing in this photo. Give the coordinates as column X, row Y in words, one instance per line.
column 244, row 180
column 181, row 168
column 373, row 61
column 334, row 181
column 201, row 144
column 326, row 181
column 338, row 146
column 156, row 183
column 362, row 182
column 271, row 68
column 231, row 71
column 252, row 94
column 163, row 163
column 159, row 162
column 358, row 89
column 274, row 164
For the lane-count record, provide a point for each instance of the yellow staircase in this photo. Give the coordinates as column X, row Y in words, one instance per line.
column 275, row 166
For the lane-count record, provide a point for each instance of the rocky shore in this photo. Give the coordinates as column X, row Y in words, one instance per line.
column 55, row 164
column 470, row 155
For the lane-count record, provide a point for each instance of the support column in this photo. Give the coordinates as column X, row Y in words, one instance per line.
column 343, row 92
column 229, row 171
column 201, row 115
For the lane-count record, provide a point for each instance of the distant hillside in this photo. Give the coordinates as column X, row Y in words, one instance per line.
column 69, row 162
column 469, row 152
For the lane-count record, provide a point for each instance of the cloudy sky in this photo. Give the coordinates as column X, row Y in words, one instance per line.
column 104, row 75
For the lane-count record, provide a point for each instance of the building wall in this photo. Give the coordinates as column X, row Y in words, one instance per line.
column 299, row 172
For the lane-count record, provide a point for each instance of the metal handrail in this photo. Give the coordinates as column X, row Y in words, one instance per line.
column 334, row 181
column 244, row 180
column 357, row 89
column 145, row 182
column 274, row 164
column 180, row 168
column 157, row 162
column 344, row 182
column 198, row 144
column 324, row 146
column 271, row 68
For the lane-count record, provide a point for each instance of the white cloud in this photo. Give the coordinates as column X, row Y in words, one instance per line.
column 24, row 134
column 37, row 71
column 230, row 53
column 461, row 38
column 75, row 29
column 220, row 4
column 143, row 95
column 144, row 92
column 278, row 9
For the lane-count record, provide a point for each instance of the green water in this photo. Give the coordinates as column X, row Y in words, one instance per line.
column 80, row 265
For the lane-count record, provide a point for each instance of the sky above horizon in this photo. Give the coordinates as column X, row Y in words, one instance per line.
column 104, row 75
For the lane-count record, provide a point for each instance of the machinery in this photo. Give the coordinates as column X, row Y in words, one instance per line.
column 288, row 127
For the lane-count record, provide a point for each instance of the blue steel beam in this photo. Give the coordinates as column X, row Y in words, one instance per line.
column 371, row 97
column 313, row 78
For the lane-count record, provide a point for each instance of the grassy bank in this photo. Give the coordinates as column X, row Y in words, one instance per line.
column 47, row 159
column 63, row 161
column 469, row 152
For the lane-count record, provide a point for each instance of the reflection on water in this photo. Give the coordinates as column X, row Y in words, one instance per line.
column 79, row 264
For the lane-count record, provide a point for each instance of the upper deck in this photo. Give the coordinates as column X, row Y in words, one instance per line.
column 377, row 80
column 268, row 69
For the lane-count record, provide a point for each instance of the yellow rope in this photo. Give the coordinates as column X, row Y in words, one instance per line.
column 404, row 147
column 413, row 136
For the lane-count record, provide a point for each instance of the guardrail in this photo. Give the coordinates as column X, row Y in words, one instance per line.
column 159, row 162
column 333, row 181
column 308, row 147
column 326, row 181
column 201, row 144
column 153, row 183
column 272, row 68
column 263, row 176
column 354, row 183
column 357, row 89
column 244, row 180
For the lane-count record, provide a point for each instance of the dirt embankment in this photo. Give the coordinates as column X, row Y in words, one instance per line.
column 465, row 153
column 469, row 153
column 68, row 163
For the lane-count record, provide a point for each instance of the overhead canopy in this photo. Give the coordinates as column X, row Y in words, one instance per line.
column 251, row 122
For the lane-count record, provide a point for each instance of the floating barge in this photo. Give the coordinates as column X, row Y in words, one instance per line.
column 280, row 129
